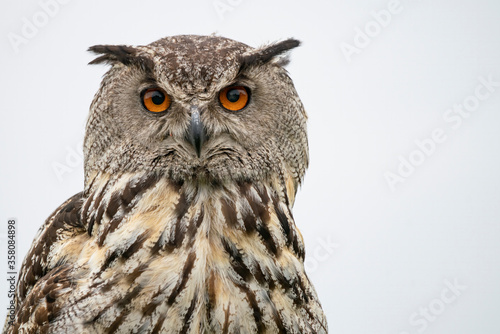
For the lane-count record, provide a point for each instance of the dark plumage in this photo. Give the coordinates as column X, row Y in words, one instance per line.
column 185, row 223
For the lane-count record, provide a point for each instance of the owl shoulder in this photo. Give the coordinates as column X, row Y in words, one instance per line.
column 59, row 230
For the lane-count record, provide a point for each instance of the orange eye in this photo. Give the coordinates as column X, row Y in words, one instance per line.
column 234, row 98
column 155, row 100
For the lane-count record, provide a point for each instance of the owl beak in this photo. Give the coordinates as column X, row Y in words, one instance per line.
column 196, row 131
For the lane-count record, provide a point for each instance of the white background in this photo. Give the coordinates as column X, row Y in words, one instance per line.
column 381, row 258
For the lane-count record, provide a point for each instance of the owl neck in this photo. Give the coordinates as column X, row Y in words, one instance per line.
column 218, row 218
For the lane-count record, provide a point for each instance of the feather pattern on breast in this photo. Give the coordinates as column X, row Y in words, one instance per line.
column 158, row 256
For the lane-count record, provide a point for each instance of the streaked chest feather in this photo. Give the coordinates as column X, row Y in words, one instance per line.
column 160, row 257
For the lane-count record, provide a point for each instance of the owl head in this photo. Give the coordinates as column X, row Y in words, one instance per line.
column 205, row 109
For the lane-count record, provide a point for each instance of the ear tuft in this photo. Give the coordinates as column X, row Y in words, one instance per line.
column 113, row 53
column 269, row 52
column 127, row 55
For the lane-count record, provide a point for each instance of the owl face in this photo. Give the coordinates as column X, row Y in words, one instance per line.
column 201, row 108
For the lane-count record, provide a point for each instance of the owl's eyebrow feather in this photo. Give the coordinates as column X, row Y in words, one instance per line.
column 267, row 53
column 124, row 54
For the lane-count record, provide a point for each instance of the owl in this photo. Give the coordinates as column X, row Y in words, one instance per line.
column 194, row 149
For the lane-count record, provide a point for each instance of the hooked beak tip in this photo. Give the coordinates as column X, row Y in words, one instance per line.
column 196, row 131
